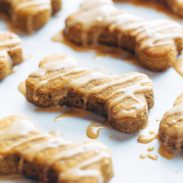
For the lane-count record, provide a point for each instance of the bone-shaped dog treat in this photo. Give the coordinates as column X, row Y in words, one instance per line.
column 171, row 126
column 10, row 52
column 30, row 15
column 156, row 43
column 175, row 5
column 123, row 99
column 48, row 158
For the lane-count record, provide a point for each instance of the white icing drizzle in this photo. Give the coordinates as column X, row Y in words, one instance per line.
column 77, row 170
column 34, row 4
column 25, row 140
column 102, row 13
column 37, row 141
column 5, row 57
column 131, row 110
column 9, row 41
column 71, row 152
column 139, row 85
column 19, row 127
column 62, row 63
column 42, row 145
column 87, row 78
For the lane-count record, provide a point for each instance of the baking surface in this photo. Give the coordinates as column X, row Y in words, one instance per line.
column 128, row 167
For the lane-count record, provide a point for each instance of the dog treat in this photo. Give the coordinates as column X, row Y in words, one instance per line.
column 30, row 15
column 10, row 53
column 156, row 43
column 47, row 158
column 171, row 126
column 174, row 5
column 123, row 99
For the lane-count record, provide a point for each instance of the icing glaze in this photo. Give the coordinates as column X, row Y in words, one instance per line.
column 17, row 128
column 9, row 41
column 31, row 4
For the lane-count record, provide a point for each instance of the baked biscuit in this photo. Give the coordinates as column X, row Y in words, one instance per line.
column 30, row 15
column 156, row 43
column 10, row 53
column 171, row 126
column 123, row 99
column 48, row 158
column 176, row 6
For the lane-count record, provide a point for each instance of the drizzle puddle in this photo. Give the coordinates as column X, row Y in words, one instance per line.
column 101, row 50
column 178, row 65
column 166, row 153
column 145, row 139
column 22, row 88
column 149, row 156
column 151, row 132
column 71, row 113
column 152, row 157
column 93, row 130
column 150, row 149
column 49, row 109
column 10, row 177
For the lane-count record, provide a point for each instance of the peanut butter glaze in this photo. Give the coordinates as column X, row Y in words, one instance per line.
column 152, row 157
column 93, row 130
column 150, row 149
column 145, row 140
column 22, row 88
column 72, row 112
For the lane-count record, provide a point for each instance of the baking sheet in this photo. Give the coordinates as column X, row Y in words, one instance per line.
column 128, row 167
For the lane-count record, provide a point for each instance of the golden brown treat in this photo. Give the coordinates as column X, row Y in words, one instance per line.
column 171, row 126
column 174, row 5
column 30, row 15
column 47, row 158
column 123, row 99
column 156, row 43
column 10, row 53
